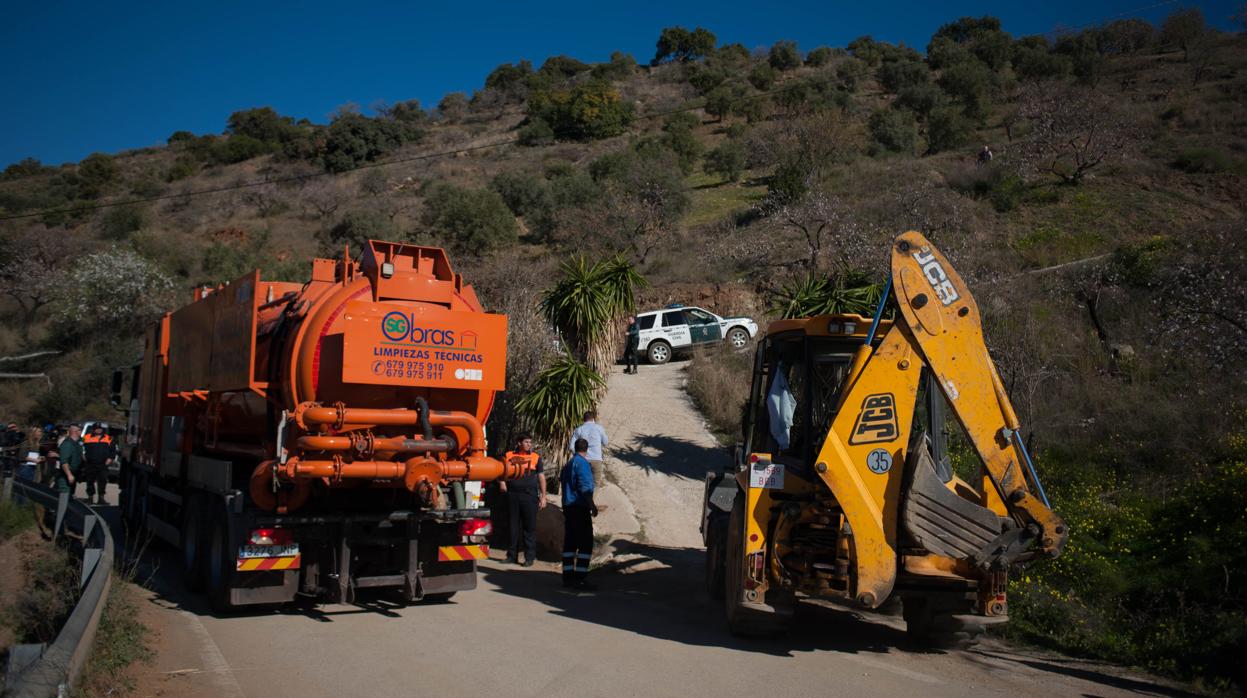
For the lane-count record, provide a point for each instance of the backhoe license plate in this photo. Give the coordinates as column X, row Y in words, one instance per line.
column 254, row 551
column 766, row 476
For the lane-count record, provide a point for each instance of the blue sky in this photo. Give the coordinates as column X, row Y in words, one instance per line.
column 93, row 76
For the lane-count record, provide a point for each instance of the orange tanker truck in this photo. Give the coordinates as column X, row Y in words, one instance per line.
column 315, row 438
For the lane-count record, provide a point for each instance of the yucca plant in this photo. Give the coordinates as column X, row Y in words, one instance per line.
column 588, row 302
column 849, row 292
column 558, row 399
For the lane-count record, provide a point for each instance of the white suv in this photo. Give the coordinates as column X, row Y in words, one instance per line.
column 680, row 328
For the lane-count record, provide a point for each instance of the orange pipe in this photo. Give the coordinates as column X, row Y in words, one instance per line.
column 340, row 416
column 383, row 444
column 473, row 468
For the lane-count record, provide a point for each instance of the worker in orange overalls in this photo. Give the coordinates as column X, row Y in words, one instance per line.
column 98, row 452
column 525, row 495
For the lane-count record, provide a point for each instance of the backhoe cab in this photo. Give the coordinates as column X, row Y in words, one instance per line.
column 843, row 487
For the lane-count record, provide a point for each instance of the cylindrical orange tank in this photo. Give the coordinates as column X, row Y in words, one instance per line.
column 379, row 372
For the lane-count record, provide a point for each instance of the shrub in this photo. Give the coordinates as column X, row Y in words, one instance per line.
column 893, row 130
column 354, row 139
column 678, row 137
column 522, row 192
column 920, row 99
column 981, row 37
column 536, row 132
column 851, row 73
column 1038, row 63
column 819, row 57
column 1204, row 160
column 112, row 292
column 784, row 56
column 473, row 221
column 865, row 49
column 227, row 151
column 453, row 107
column 185, row 165
column 561, row 68
column 1182, row 29
column 728, row 160
column 356, row 228
column 14, row 518
column 970, row 82
column 762, row 77
column 48, row 597
column 622, row 65
column 96, row 172
column 26, row 167
column 895, row 76
column 947, row 129
column 587, row 112
column 118, row 222
column 510, row 79
column 718, row 383
column 722, row 99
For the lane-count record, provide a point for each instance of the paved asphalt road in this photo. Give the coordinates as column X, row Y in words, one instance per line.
column 650, row 631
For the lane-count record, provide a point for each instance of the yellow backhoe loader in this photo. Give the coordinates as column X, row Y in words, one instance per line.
column 843, row 487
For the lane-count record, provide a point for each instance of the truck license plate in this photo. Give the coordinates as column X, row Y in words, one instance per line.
column 254, row 551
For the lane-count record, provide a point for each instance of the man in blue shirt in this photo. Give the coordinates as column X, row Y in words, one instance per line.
column 578, row 513
column 595, row 436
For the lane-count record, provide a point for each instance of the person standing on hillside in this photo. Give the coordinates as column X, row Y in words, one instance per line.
column 578, row 512
column 632, row 346
column 98, row 452
column 595, row 436
column 70, row 461
column 525, row 496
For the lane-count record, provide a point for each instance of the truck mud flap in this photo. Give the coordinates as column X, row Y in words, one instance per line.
column 940, row 521
column 446, row 577
column 270, row 594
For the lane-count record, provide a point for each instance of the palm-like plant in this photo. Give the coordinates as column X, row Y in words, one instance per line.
column 849, row 292
column 560, row 396
column 586, row 304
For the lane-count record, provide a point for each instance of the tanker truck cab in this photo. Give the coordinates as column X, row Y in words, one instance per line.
column 842, row 487
column 321, row 439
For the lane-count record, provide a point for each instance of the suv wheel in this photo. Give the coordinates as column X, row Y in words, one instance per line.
column 659, row 352
column 737, row 337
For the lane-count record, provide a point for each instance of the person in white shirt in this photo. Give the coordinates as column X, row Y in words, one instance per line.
column 595, row 435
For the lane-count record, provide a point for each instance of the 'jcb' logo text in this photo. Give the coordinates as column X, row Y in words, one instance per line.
column 877, row 421
column 936, row 276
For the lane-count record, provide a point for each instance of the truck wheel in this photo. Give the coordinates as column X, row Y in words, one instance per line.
column 221, row 562
column 738, row 337
column 658, row 352
column 193, row 558
column 716, row 538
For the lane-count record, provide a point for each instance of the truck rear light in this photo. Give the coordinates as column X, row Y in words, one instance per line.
column 475, row 527
column 272, row 536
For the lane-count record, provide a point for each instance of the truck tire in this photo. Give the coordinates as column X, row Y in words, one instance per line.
column 658, row 352
column 221, row 561
column 194, row 559
column 716, row 539
column 738, row 337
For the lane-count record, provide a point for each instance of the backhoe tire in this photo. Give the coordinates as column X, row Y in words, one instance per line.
column 716, row 549
column 222, row 560
column 746, row 619
column 658, row 352
column 938, row 630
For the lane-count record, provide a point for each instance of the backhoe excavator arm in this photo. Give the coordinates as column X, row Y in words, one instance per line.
column 944, row 323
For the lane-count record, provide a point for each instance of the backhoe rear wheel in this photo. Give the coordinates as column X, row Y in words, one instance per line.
column 928, row 625
column 716, row 550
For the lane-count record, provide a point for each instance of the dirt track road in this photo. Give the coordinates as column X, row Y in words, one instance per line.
column 651, row 631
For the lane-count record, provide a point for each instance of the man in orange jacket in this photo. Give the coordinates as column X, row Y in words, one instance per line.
column 525, row 496
column 98, row 452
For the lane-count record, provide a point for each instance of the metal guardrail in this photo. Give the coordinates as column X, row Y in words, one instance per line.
column 38, row 671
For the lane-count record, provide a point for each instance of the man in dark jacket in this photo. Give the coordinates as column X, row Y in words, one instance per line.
column 98, row 453
column 578, row 513
column 69, row 461
column 525, row 495
column 634, row 343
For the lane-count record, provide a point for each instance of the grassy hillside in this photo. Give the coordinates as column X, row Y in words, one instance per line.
column 1103, row 241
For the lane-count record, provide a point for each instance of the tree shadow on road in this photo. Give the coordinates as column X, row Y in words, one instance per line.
column 671, row 456
column 656, row 592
